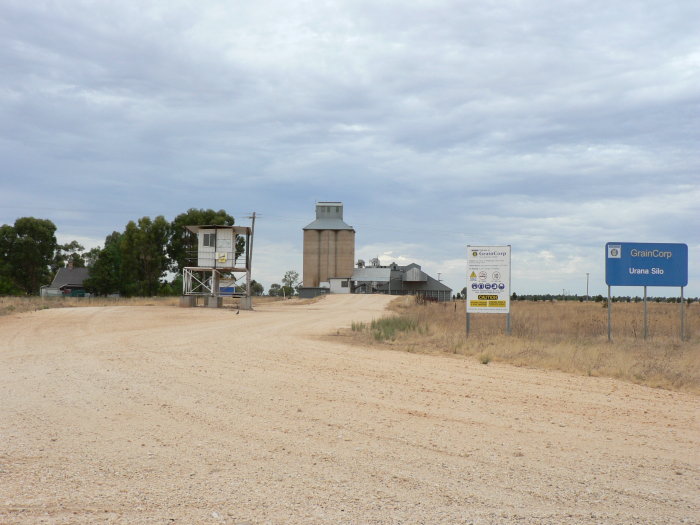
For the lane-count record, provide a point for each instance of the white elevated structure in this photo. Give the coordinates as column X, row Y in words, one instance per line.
column 215, row 246
column 217, row 264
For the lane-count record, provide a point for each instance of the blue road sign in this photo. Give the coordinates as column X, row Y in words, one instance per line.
column 646, row 264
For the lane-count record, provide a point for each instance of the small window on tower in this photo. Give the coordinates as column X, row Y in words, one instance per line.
column 209, row 240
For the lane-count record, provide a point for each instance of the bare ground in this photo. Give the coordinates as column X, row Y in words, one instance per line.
column 167, row 415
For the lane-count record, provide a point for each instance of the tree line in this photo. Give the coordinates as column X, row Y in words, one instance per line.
column 133, row 262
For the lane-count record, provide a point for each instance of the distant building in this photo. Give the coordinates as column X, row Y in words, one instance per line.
column 397, row 280
column 68, row 282
column 329, row 247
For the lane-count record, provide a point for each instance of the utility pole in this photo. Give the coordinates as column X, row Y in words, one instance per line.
column 248, row 304
column 587, row 296
column 252, row 235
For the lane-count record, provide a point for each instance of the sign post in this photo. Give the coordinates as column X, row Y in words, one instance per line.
column 682, row 316
column 488, row 281
column 645, row 264
column 645, row 313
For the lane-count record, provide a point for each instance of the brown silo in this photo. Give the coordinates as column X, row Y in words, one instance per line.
column 329, row 246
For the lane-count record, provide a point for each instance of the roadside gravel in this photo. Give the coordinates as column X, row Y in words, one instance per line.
column 166, row 415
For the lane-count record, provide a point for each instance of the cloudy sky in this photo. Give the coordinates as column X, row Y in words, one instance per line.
column 551, row 126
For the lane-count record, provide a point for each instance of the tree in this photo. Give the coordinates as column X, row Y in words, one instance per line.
column 144, row 259
column 65, row 253
column 176, row 285
column 105, row 272
column 26, row 251
column 91, row 256
column 179, row 239
column 275, row 290
column 8, row 287
column 256, row 288
column 290, row 278
column 7, row 282
column 289, row 282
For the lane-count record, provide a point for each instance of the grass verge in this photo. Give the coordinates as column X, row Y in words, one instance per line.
column 567, row 336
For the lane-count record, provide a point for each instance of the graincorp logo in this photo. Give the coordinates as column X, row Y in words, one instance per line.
column 658, row 254
column 489, row 254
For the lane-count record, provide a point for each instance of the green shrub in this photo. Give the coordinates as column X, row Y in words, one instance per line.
column 386, row 328
column 358, row 327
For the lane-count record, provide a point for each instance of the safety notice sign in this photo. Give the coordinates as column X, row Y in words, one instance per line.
column 488, row 279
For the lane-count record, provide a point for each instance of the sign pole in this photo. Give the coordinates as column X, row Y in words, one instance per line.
column 468, row 322
column 682, row 317
column 609, row 316
column 508, row 323
column 645, row 313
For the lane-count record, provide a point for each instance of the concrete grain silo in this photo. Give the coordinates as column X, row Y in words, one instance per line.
column 329, row 246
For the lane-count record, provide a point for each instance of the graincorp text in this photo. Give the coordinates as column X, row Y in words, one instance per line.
column 651, row 253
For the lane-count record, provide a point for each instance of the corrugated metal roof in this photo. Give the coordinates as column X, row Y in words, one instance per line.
column 328, row 224
column 66, row 276
column 430, row 284
column 414, row 275
column 236, row 229
column 377, row 275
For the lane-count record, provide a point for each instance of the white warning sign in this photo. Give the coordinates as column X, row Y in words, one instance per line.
column 488, row 279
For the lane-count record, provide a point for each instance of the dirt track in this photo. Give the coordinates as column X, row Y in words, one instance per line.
column 167, row 415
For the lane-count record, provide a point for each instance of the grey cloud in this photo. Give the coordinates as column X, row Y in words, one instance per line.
column 521, row 121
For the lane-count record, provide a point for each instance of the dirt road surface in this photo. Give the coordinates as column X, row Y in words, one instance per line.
column 167, row 415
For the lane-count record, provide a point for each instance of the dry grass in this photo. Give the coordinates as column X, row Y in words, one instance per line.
column 13, row 305
column 568, row 336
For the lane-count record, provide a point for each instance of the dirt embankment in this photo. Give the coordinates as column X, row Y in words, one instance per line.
column 167, row 415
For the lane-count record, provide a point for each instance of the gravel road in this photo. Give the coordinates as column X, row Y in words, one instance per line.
column 167, row 415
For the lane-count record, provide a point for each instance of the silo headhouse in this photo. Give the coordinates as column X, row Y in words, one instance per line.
column 329, row 247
